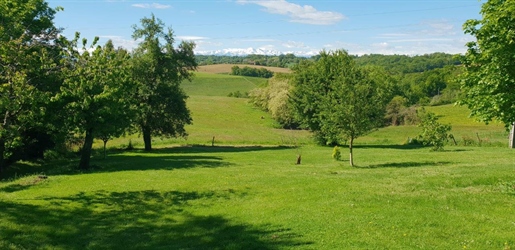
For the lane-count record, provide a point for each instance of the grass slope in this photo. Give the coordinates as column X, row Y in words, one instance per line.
column 205, row 84
column 226, row 68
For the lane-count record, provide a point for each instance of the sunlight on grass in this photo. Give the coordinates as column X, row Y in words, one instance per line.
column 246, row 191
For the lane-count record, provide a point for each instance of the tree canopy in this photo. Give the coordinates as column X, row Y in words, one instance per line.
column 158, row 70
column 29, row 54
column 337, row 99
column 95, row 92
column 488, row 82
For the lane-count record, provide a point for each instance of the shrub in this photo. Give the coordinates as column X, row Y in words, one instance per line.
column 238, row 94
column 337, row 155
column 273, row 98
column 433, row 133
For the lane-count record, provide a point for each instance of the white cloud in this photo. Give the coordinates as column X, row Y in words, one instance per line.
column 257, row 40
column 439, row 28
column 417, row 40
column 297, row 13
column 192, row 38
column 293, row 44
column 151, row 6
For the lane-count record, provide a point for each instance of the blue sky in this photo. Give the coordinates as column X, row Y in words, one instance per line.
column 289, row 26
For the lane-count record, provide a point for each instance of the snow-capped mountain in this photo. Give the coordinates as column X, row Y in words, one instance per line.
column 239, row 52
column 252, row 51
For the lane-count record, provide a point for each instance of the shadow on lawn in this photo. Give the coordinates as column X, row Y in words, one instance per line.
column 152, row 162
column 157, row 159
column 133, row 220
column 192, row 149
column 409, row 164
column 393, row 146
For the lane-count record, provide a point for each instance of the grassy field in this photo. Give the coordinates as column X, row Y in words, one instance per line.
column 246, row 192
column 226, row 68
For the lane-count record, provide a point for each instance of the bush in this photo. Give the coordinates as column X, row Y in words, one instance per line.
column 238, row 94
column 337, row 155
column 433, row 133
column 254, row 72
column 273, row 98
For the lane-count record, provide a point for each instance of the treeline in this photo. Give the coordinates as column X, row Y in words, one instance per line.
column 433, row 86
column 408, row 64
column 57, row 93
column 397, row 64
column 282, row 61
column 253, row 72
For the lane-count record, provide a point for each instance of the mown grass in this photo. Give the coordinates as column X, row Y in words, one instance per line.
column 257, row 198
column 246, row 192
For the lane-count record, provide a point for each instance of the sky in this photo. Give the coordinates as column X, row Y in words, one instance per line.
column 302, row 27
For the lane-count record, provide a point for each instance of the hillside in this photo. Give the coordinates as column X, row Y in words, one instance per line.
column 226, row 68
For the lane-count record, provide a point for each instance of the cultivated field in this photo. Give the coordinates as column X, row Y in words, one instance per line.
column 226, row 68
column 246, row 192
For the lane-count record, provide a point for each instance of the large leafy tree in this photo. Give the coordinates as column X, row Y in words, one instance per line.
column 159, row 68
column 339, row 100
column 96, row 92
column 488, row 82
column 29, row 49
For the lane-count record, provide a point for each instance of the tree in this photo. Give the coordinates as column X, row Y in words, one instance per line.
column 159, row 68
column 95, row 93
column 29, row 48
column 488, row 82
column 338, row 99
column 433, row 133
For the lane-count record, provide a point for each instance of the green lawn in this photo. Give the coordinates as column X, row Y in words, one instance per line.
column 256, row 198
column 246, row 192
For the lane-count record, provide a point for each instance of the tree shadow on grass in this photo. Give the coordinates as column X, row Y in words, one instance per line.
column 404, row 147
column 157, row 159
column 133, row 220
column 193, row 149
column 152, row 162
column 409, row 164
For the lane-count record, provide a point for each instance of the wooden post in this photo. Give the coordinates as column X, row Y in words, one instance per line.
column 512, row 135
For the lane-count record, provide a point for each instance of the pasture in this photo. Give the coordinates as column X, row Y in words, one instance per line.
column 226, row 68
column 246, row 192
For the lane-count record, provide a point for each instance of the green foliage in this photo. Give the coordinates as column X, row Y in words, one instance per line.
column 408, row 64
column 339, row 100
column 29, row 75
column 433, row 133
column 274, row 98
column 283, row 61
column 253, row 72
column 337, row 154
column 95, row 94
column 489, row 78
column 158, row 70
column 238, row 94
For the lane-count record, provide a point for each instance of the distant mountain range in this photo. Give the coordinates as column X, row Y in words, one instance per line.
column 253, row 51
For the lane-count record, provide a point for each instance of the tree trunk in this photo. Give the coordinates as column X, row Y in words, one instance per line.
column 351, row 160
column 105, row 143
column 86, row 150
column 147, row 139
column 2, row 160
column 512, row 135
